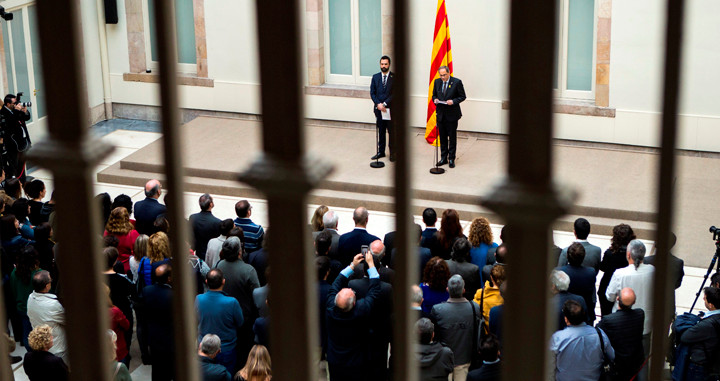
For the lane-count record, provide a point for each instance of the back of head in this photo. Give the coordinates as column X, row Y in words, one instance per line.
column 205, row 201
column 456, row 286
column 501, row 253
column 105, row 203
column 258, row 366
column 40, row 337
column 480, row 232
column 626, row 298
column 242, row 208
column 125, row 201
column 119, row 221
column 226, row 225
column 330, row 220
column 450, row 227
column 152, row 188
column 424, row 329
column 158, row 247
column 715, row 280
column 141, row 246
column 34, row 188
column 582, row 228
column 498, row 274
column 20, row 209
column 436, row 274
column 316, row 222
column 418, row 231
column 210, row 344
column 576, row 254
column 231, row 249
column 323, row 241
column 42, row 232
column 40, row 280
column 322, row 265
column 360, row 216
column 377, row 249
column 712, row 295
column 111, row 255
column 489, row 348
column 560, row 280
column 163, row 273
column 161, row 224
column 429, row 217
column 622, row 235
column 7, row 227
column 461, row 250
column 13, row 188
column 416, row 294
column 637, row 251
column 574, row 312
column 214, row 279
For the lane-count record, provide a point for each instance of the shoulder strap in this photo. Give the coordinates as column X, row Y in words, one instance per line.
column 117, row 369
column 602, row 346
column 475, row 328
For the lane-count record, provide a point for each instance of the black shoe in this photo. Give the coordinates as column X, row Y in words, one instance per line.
column 392, row 157
column 452, row 163
column 15, row 359
column 441, row 163
column 378, row 156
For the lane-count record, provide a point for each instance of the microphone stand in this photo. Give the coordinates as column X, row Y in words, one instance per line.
column 437, row 170
column 377, row 163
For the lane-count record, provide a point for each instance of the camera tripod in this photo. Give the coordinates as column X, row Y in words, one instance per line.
column 713, row 263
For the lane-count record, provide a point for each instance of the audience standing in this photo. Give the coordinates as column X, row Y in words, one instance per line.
column 481, row 238
column 614, row 258
column 450, row 230
column 624, row 328
column 559, row 284
column 436, row 361
column 350, row 243
column 161, row 338
column 39, row 363
column 581, row 229
column 253, row 232
column 205, row 226
column 147, row 210
column 461, row 265
column 582, row 278
column 434, row 286
column 212, row 253
column 491, row 367
column 258, row 366
column 207, row 352
column 704, row 336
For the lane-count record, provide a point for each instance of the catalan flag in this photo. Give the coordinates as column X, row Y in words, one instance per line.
column 441, row 56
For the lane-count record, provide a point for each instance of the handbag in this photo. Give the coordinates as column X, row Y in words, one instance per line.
column 609, row 370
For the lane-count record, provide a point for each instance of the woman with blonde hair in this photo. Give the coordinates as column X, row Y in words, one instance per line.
column 257, row 367
column 120, row 371
column 140, row 250
column 39, row 364
column 119, row 225
column 481, row 239
column 316, row 222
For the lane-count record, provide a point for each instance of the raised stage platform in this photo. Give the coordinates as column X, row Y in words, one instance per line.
column 614, row 185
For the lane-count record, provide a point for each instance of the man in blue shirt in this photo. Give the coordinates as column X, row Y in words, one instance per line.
column 252, row 232
column 576, row 350
column 219, row 314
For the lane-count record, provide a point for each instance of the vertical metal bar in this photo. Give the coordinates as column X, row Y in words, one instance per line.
column 71, row 156
column 526, row 199
column 286, row 176
column 405, row 365
column 661, row 284
column 185, row 323
column 5, row 366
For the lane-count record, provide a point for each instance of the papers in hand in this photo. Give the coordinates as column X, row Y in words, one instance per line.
column 385, row 114
column 441, row 102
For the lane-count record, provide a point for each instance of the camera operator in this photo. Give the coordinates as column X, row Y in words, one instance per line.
column 15, row 136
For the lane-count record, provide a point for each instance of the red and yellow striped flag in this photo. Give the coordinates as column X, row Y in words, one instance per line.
column 441, row 56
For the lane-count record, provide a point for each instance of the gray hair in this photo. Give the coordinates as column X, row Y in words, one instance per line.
column 637, row 251
column 232, row 246
column 205, row 201
column 210, row 344
column 416, row 295
column 456, row 286
column 350, row 303
column 424, row 328
column 447, row 69
column 560, row 280
column 330, row 220
column 360, row 216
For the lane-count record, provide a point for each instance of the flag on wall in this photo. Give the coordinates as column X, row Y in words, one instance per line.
column 441, row 56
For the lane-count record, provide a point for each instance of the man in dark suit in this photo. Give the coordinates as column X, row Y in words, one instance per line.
column 676, row 268
column 380, row 322
column 491, row 367
column 381, row 94
column 625, row 330
column 581, row 229
column 429, row 217
column 448, row 93
column 704, row 339
column 158, row 305
column 350, row 243
column 16, row 138
column 582, row 279
column 147, row 210
column 205, row 226
column 348, row 324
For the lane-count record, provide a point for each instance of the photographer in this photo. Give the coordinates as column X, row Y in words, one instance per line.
column 15, row 136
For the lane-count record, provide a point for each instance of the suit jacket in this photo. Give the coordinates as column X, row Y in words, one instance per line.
column 389, row 242
column 592, row 256
column 378, row 94
column 624, row 328
column 333, row 254
column 559, row 300
column 703, row 335
column 487, row 372
column 676, row 268
column 470, row 274
column 349, row 244
column 348, row 337
column 427, row 234
column 158, row 308
column 259, row 261
column 582, row 283
column 145, row 212
column 380, row 325
column 454, row 92
column 205, row 227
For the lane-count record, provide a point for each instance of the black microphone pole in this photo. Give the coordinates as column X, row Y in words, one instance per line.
column 437, row 170
column 377, row 163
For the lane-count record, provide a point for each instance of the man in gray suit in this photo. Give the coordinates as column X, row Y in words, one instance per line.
column 592, row 252
column 455, row 325
column 330, row 221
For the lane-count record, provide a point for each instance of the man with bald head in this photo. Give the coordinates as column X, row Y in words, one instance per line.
column 350, row 243
column 625, row 330
column 147, row 210
column 348, row 327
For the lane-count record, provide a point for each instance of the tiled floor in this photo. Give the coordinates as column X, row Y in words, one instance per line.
column 130, row 135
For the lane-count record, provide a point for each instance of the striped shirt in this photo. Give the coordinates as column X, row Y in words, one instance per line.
column 253, row 233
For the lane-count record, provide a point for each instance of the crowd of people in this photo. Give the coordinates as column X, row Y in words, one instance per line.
column 458, row 299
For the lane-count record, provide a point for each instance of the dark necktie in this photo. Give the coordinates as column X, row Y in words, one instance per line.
column 444, row 87
column 384, row 81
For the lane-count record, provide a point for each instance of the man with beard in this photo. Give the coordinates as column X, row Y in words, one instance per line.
column 381, row 94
